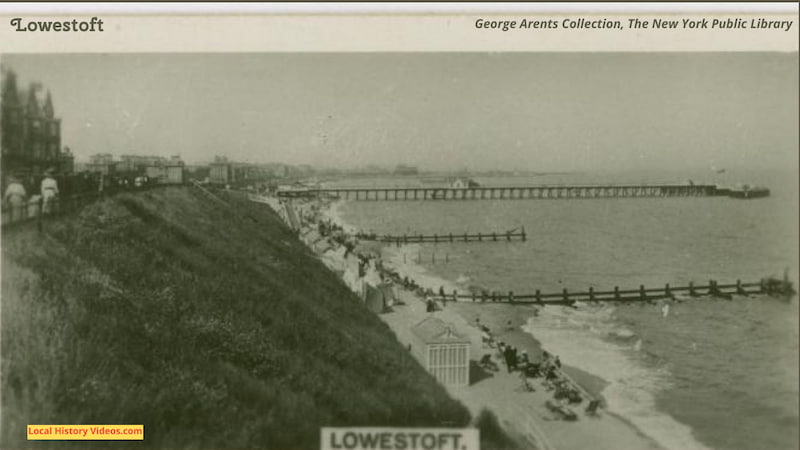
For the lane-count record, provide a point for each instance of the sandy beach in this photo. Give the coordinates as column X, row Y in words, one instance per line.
column 521, row 412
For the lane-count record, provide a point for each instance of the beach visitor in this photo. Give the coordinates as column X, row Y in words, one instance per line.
column 441, row 291
column 508, row 354
column 15, row 197
column 523, row 358
column 431, row 307
column 514, row 357
column 557, row 362
column 49, row 191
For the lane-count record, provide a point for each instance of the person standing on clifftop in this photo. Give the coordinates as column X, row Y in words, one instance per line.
column 49, row 191
column 15, row 196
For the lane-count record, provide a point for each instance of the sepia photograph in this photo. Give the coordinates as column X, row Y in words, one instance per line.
column 474, row 249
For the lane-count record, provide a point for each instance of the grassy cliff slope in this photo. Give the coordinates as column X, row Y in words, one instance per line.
column 206, row 321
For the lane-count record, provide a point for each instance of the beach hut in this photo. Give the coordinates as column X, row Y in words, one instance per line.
column 374, row 299
column 442, row 351
column 388, row 293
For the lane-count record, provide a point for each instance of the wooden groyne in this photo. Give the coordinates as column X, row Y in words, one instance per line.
column 504, row 236
column 565, row 297
column 509, row 192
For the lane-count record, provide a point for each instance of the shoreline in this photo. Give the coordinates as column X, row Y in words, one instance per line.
column 533, row 423
column 521, row 411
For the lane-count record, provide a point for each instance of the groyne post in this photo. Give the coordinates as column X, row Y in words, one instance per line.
column 524, row 236
column 739, row 289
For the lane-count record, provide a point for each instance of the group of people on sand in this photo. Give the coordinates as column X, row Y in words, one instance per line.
column 548, row 368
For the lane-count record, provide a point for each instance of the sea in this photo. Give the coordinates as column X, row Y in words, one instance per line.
column 702, row 373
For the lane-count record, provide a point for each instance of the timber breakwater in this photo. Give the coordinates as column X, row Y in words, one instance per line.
column 766, row 286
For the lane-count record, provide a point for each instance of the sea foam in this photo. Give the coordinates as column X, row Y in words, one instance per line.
column 577, row 337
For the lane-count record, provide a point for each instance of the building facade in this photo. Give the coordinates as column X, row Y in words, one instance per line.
column 31, row 132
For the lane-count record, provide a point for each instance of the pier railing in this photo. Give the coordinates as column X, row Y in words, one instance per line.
column 509, row 192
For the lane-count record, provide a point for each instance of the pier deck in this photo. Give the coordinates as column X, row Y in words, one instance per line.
column 510, row 192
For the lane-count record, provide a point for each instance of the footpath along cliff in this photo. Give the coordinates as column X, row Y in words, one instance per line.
column 206, row 320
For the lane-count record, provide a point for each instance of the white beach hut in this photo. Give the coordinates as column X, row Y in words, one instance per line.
column 442, row 351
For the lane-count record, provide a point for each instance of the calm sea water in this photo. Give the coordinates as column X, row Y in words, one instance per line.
column 712, row 373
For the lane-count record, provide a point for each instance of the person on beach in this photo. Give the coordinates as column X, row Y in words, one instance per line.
column 523, row 359
column 441, row 291
column 431, row 307
column 509, row 354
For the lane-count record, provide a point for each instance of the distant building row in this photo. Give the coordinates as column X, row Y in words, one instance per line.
column 223, row 171
column 159, row 168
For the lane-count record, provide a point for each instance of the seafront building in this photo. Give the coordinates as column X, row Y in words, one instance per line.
column 31, row 132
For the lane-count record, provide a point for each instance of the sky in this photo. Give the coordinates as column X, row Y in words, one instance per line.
column 437, row 111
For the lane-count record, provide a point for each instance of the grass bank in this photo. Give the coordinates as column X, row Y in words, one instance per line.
column 206, row 321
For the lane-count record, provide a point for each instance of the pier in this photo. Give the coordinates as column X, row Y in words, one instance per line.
column 713, row 289
column 534, row 192
column 446, row 237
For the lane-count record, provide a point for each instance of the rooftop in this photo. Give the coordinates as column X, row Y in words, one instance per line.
column 433, row 330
